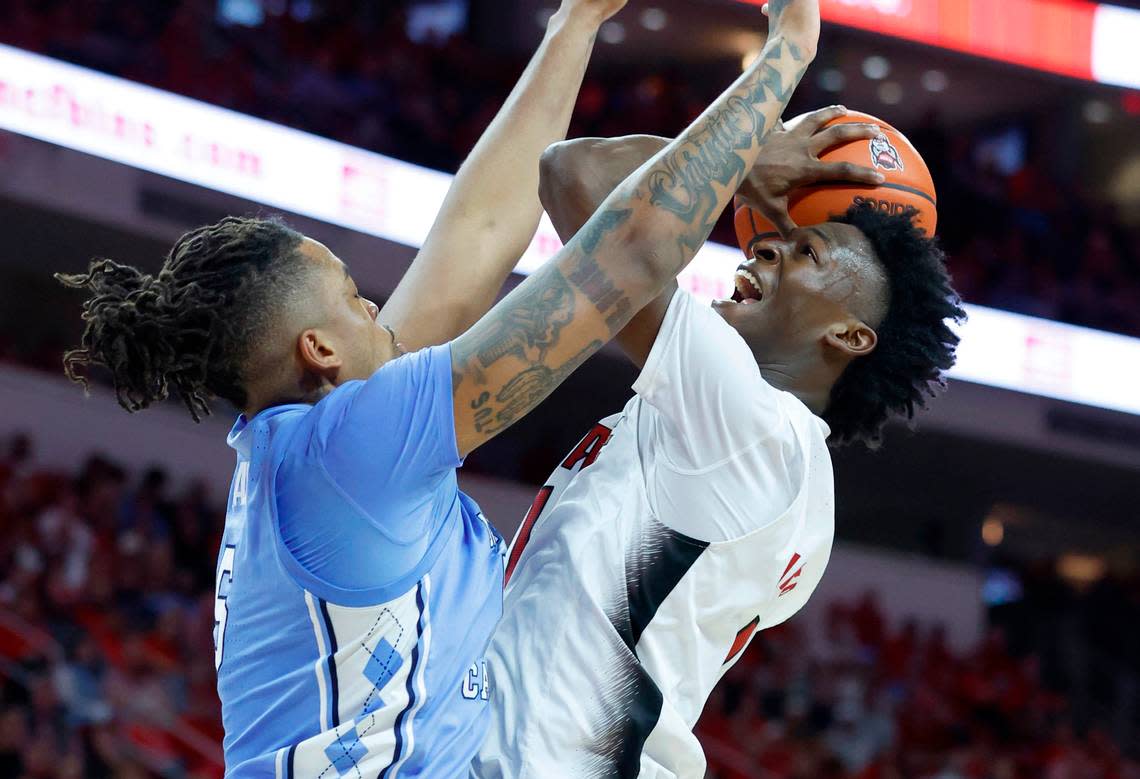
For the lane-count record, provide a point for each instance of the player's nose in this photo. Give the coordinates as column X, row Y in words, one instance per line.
column 771, row 251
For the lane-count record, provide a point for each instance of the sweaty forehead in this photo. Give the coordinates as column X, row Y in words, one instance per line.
column 848, row 246
column 856, row 268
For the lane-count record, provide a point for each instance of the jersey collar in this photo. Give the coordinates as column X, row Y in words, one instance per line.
column 245, row 431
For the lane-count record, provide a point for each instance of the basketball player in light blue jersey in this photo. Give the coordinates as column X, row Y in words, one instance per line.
column 357, row 588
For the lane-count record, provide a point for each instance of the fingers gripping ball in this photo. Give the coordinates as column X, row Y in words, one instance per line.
column 908, row 186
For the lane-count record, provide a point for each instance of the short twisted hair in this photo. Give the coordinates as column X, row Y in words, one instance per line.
column 189, row 327
column 915, row 342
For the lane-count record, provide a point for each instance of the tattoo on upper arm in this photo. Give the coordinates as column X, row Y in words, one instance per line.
column 523, row 392
column 528, row 326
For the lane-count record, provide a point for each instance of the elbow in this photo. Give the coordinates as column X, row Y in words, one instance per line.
column 649, row 254
column 554, row 172
column 563, row 171
column 549, row 171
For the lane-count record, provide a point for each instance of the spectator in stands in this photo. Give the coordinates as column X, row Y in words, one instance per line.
column 106, row 667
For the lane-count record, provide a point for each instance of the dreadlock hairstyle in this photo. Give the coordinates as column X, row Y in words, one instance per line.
column 188, row 328
column 915, row 342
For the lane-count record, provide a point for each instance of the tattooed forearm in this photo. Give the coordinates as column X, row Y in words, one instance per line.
column 601, row 225
column 586, row 275
column 514, row 352
column 531, row 341
column 529, row 327
column 599, row 289
column 683, row 180
column 523, row 392
column 529, row 323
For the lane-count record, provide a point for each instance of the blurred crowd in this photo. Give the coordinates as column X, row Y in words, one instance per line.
column 106, row 618
column 874, row 703
column 1018, row 239
column 106, row 662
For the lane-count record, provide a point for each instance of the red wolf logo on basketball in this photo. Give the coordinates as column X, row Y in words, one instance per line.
column 884, row 155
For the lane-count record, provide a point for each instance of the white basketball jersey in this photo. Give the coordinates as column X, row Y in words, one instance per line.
column 669, row 536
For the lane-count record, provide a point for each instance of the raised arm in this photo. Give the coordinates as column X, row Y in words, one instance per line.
column 578, row 175
column 491, row 210
column 641, row 236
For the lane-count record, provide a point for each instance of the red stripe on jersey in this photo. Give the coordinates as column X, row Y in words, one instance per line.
column 524, row 530
column 588, row 448
column 795, row 558
column 741, row 639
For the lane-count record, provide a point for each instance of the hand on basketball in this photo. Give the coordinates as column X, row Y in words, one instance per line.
column 796, row 21
column 596, row 12
column 789, row 158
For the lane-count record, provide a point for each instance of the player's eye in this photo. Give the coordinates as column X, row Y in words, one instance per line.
column 810, row 252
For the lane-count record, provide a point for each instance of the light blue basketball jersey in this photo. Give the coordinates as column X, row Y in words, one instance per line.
column 357, row 587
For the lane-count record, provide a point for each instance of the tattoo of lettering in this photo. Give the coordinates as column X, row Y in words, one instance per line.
column 523, row 392
column 683, row 182
column 592, row 280
column 588, row 276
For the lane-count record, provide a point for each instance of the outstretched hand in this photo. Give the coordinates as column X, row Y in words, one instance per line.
column 789, row 159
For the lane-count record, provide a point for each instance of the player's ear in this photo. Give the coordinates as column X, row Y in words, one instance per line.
column 318, row 354
column 853, row 338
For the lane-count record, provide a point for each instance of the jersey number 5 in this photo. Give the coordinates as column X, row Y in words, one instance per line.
column 221, row 608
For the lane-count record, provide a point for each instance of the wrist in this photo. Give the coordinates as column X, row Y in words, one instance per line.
column 804, row 46
column 574, row 21
column 750, row 189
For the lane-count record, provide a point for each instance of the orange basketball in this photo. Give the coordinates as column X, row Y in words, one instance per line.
column 908, row 186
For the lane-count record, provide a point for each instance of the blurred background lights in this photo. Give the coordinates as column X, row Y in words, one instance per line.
column 1097, row 112
column 993, row 531
column 654, row 19
column 876, row 68
column 831, row 80
column 935, row 81
column 891, row 92
column 612, row 32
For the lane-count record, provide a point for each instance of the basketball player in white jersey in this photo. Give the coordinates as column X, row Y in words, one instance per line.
column 704, row 511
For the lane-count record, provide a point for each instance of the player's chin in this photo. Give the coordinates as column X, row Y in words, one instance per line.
column 736, row 312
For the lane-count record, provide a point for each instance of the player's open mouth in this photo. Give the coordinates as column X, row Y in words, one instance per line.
column 748, row 289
